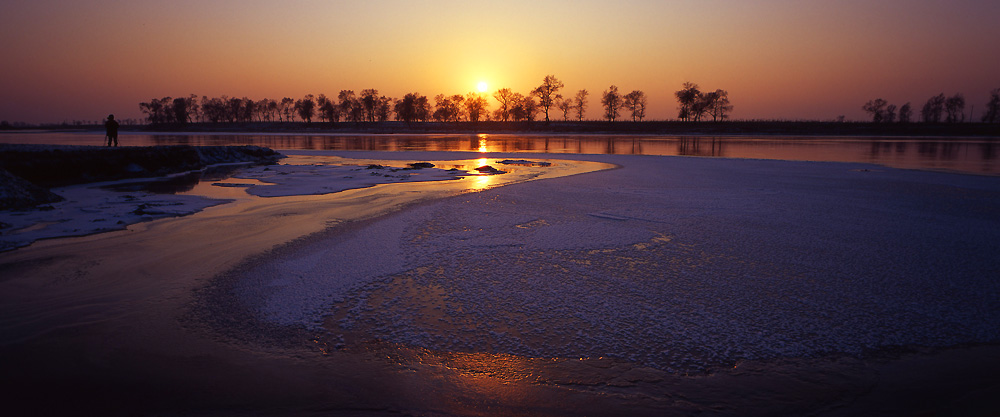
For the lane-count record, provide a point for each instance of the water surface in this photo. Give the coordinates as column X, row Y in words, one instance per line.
column 967, row 155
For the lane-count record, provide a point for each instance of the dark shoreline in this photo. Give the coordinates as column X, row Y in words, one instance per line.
column 28, row 171
column 728, row 128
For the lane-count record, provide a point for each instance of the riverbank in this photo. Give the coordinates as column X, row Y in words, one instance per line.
column 30, row 170
column 727, row 128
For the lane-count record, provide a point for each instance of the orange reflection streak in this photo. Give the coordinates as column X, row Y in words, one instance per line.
column 482, row 143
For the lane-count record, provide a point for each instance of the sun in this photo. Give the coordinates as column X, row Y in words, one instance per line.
column 482, row 86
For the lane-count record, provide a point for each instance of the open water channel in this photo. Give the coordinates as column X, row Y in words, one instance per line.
column 966, row 155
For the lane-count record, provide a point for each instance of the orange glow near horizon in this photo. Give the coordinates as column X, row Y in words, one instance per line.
column 68, row 60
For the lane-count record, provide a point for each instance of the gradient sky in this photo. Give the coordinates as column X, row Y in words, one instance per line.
column 64, row 60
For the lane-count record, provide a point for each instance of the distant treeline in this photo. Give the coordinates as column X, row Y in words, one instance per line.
column 937, row 109
column 545, row 102
column 571, row 127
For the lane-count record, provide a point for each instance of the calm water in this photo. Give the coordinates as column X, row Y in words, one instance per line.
column 974, row 155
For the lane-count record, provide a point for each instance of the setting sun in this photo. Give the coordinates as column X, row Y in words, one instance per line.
column 482, row 86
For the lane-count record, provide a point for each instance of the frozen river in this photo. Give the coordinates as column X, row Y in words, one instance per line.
column 665, row 286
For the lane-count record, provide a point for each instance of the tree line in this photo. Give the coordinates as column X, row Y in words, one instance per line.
column 936, row 109
column 370, row 106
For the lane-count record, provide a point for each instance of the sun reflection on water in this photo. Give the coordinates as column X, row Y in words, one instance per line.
column 482, row 143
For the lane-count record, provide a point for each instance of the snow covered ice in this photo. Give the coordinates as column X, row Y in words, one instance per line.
column 682, row 264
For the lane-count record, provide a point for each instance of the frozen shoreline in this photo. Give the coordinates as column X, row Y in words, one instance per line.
column 682, row 264
column 762, row 254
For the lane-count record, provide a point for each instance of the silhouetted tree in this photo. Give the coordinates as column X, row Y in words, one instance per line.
column 523, row 108
column 286, row 108
column 992, row 114
column 179, row 107
column 213, row 109
column 504, row 97
column 412, row 107
column 876, row 109
column 475, row 106
column 247, row 109
column 890, row 113
column 718, row 105
column 157, row 110
column 701, row 105
column 383, row 109
column 933, row 109
column 369, row 101
column 263, row 112
column 635, row 102
column 905, row 113
column 306, row 108
column 580, row 104
column 350, row 106
column 449, row 108
column 422, row 107
column 328, row 110
column 954, row 106
column 687, row 98
column 612, row 102
column 565, row 106
column 193, row 108
column 547, row 93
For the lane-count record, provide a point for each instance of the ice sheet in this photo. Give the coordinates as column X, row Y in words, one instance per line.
column 677, row 263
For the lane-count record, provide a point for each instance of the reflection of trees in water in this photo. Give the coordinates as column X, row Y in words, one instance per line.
column 988, row 150
column 711, row 146
column 977, row 156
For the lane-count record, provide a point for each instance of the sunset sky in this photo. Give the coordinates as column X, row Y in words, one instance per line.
column 65, row 60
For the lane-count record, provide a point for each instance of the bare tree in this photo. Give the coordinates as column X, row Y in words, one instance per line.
column 287, row 108
column 407, row 109
column 635, row 102
column 565, row 106
column 905, row 113
column 523, row 108
column 954, row 106
column 580, row 104
column 890, row 113
column 719, row 105
column 383, row 108
column 933, row 109
column 876, row 109
column 548, row 93
column 992, row 114
column 350, row 106
column 156, row 110
column 328, row 109
column 449, row 108
column 306, row 108
column 612, row 102
column 475, row 106
column 369, row 101
column 687, row 97
column 193, row 107
column 503, row 96
column 179, row 108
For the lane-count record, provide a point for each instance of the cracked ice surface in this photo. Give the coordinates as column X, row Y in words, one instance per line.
column 676, row 263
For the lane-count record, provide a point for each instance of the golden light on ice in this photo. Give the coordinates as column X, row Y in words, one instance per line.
column 482, row 86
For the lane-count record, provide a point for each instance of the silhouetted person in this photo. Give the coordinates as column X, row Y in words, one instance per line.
column 111, row 126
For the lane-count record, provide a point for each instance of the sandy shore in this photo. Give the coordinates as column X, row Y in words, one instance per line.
column 671, row 286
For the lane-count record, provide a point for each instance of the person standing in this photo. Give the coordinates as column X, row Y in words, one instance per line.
column 111, row 127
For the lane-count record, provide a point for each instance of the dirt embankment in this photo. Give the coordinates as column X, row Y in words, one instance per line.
column 28, row 170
